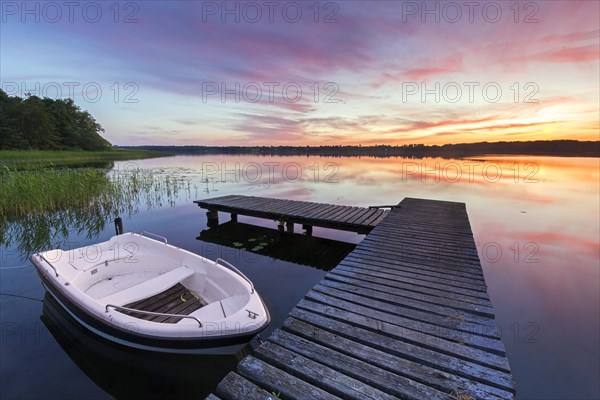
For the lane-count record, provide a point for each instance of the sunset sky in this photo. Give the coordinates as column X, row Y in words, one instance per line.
column 390, row 72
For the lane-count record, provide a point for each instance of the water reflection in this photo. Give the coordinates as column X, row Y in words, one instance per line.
column 300, row 249
column 536, row 221
column 128, row 373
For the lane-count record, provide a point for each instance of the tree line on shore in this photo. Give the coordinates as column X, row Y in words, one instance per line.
column 33, row 123
column 538, row 147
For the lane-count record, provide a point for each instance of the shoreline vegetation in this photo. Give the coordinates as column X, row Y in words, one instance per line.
column 25, row 159
column 40, row 205
column 566, row 148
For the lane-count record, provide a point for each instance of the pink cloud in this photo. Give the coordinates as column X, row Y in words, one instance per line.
column 569, row 54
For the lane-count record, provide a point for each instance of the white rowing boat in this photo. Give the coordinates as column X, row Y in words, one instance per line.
column 145, row 293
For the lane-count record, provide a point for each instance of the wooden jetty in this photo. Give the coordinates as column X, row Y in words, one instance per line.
column 404, row 315
column 290, row 212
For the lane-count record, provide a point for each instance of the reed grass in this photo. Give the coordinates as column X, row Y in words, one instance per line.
column 39, row 205
column 23, row 159
column 39, row 190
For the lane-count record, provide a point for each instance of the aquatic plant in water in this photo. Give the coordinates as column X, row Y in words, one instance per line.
column 39, row 207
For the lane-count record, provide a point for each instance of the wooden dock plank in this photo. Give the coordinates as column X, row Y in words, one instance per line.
column 450, row 320
column 318, row 374
column 427, row 284
column 354, row 212
column 277, row 381
column 409, row 351
column 420, row 276
column 405, row 315
column 433, row 294
column 406, row 334
column 427, row 300
column 427, row 244
column 370, row 258
column 322, row 346
column 368, row 311
column 395, row 386
column 400, row 302
column 234, row 387
column 313, row 214
column 420, row 259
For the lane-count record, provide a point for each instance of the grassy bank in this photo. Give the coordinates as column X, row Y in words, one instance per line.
column 22, row 158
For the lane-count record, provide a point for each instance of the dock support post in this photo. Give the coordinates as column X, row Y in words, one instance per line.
column 119, row 225
column 308, row 229
column 289, row 227
column 234, row 217
column 212, row 217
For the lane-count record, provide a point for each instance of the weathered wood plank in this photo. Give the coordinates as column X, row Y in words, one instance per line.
column 386, row 232
column 369, row 213
column 445, row 294
column 334, row 215
column 317, row 374
column 426, row 278
column 408, row 351
column 385, row 381
column 390, row 289
column 416, row 282
column 369, row 257
column 431, row 250
column 461, row 249
column 333, row 212
column 316, row 213
column 402, row 303
column 419, row 259
column 376, row 214
column 428, row 251
column 354, row 214
column 345, row 215
column 454, row 321
column 234, row 387
column 322, row 346
column 408, row 335
column 420, row 271
column 277, row 381
column 443, row 332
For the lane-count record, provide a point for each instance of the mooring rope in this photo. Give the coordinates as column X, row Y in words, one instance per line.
column 21, row 297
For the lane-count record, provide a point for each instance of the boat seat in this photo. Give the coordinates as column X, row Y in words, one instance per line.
column 148, row 288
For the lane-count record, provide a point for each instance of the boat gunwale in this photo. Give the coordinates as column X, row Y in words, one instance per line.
column 115, row 332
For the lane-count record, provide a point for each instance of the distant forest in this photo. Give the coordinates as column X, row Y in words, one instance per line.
column 33, row 123
column 540, row 147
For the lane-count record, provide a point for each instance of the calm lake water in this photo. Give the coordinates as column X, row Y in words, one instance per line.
column 535, row 221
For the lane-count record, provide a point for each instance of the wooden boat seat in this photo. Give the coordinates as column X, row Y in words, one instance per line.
column 176, row 300
column 149, row 288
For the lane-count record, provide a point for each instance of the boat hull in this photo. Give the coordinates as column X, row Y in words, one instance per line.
column 129, row 337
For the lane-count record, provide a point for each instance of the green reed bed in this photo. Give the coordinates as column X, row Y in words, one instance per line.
column 40, row 190
column 25, row 159
column 39, row 206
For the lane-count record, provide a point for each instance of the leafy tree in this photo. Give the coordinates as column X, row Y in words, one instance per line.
column 47, row 124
